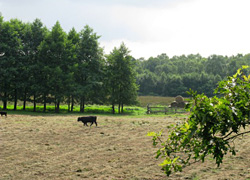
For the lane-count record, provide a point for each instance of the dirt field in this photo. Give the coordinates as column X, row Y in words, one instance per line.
column 59, row 147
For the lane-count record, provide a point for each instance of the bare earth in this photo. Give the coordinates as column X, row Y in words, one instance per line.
column 59, row 147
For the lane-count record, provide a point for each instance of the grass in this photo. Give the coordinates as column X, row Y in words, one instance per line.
column 95, row 109
column 155, row 100
column 59, row 147
column 89, row 109
column 55, row 146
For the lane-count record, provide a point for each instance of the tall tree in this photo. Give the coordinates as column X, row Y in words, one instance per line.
column 216, row 65
column 10, row 64
column 129, row 86
column 39, row 32
column 2, row 53
column 19, row 71
column 53, row 55
column 88, row 66
column 121, row 78
column 25, row 82
column 71, row 55
column 147, row 81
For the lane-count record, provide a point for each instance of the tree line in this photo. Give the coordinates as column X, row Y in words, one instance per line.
column 165, row 76
column 45, row 66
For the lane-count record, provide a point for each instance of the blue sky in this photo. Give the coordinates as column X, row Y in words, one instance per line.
column 148, row 27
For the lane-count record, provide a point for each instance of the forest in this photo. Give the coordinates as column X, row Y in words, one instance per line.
column 51, row 66
column 165, row 76
column 45, row 66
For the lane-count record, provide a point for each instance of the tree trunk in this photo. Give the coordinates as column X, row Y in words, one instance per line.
column 69, row 104
column 72, row 104
column 15, row 100
column 119, row 108
column 82, row 105
column 44, row 103
column 57, row 109
column 5, row 101
column 113, row 109
column 34, row 103
column 122, row 107
column 24, row 100
column 4, row 104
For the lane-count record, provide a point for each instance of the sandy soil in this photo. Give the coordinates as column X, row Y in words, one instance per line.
column 59, row 147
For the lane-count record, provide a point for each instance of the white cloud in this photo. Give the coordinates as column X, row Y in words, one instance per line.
column 138, row 49
column 202, row 26
column 174, row 27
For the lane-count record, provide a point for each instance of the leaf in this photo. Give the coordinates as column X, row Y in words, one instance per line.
column 151, row 134
column 245, row 66
column 158, row 153
column 245, row 78
column 166, row 162
column 233, row 152
column 175, row 159
column 187, row 126
column 193, row 130
column 208, row 128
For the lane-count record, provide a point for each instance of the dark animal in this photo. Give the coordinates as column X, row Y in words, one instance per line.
column 3, row 113
column 87, row 119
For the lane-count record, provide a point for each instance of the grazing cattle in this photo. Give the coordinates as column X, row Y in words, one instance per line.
column 87, row 119
column 3, row 113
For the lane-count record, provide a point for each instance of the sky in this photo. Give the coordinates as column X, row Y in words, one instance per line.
column 148, row 27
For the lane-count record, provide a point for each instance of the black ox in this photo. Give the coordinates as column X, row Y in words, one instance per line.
column 85, row 120
column 3, row 113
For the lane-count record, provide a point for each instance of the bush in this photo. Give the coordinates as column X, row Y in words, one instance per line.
column 212, row 126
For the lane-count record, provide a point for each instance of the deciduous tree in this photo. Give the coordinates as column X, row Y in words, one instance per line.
column 10, row 60
column 53, row 56
column 88, row 71
column 121, row 78
column 214, row 123
column 39, row 32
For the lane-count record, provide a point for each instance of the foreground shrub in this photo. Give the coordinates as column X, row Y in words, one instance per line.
column 214, row 123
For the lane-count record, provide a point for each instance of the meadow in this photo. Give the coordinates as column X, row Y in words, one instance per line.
column 55, row 146
column 59, row 147
column 139, row 109
column 155, row 100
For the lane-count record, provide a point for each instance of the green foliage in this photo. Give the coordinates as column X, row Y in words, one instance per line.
column 214, row 123
column 45, row 66
column 11, row 70
column 89, row 109
column 42, row 66
column 121, row 81
column 89, row 67
column 164, row 76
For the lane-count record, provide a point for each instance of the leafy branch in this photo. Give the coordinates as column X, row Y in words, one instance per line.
column 210, row 126
column 233, row 137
